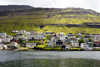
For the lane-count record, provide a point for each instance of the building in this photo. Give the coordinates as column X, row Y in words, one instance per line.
column 86, row 40
column 13, row 45
column 36, row 37
column 48, row 33
column 84, row 46
column 61, row 36
column 1, row 39
column 50, row 44
column 70, row 35
column 59, row 43
column 74, row 42
column 2, row 46
column 96, row 38
column 14, row 31
column 67, row 43
column 96, row 44
column 3, row 34
column 31, row 45
column 6, row 40
column 22, row 31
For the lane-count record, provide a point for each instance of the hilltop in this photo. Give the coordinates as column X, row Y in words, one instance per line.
column 30, row 18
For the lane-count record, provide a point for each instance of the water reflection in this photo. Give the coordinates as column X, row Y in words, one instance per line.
column 17, row 55
column 49, row 59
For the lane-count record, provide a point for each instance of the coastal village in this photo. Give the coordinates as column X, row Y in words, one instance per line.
column 30, row 40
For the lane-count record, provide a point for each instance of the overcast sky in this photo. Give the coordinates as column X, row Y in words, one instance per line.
column 87, row 4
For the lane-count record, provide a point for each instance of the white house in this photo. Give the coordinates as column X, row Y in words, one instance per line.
column 78, row 34
column 36, row 37
column 1, row 40
column 84, row 46
column 70, row 35
column 2, row 34
column 14, row 31
column 10, row 37
column 96, row 38
column 32, row 32
column 31, row 45
column 14, row 45
column 41, row 34
column 2, row 46
column 21, row 36
column 22, row 31
column 61, row 36
column 27, row 33
column 54, row 39
column 50, row 44
column 74, row 42
column 6, row 40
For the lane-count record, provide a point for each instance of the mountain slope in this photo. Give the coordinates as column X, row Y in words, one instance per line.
column 31, row 18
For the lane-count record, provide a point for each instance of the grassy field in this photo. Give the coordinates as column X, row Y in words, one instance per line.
column 31, row 19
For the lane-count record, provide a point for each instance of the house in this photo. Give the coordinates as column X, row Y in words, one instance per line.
column 2, row 46
column 41, row 34
column 27, row 33
column 36, row 37
column 74, row 42
column 32, row 32
column 2, row 34
column 31, row 45
column 67, row 43
column 6, row 40
column 86, row 40
column 54, row 39
column 13, row 45
column 14, row 40
column 19, row 33
column 22, row 31
column 50, row 44
column 23, row 44
column 63, row 47
column 59, row 43
column 96, row 38
column 20, row 37
column 10, row 37
column 90, row 45
column 14, row 31
column 78, row 34
column 48, row 33
column 79, row 38
column 61, row 36
column 96, row 44
column 1, row 39
column 70, row 35
column 87, row 36
column 84, row 46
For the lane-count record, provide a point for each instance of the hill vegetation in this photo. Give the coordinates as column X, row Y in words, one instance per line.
column 30, row 18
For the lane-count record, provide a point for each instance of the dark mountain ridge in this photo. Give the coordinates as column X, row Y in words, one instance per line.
column 14, row 7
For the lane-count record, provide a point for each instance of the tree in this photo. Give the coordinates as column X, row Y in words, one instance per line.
column 90, row 40
column 66, row 37
column 81, row 41
column 20, row 40
column 32, row 38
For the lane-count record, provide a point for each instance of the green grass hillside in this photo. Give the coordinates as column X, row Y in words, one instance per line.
column 31, row 19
